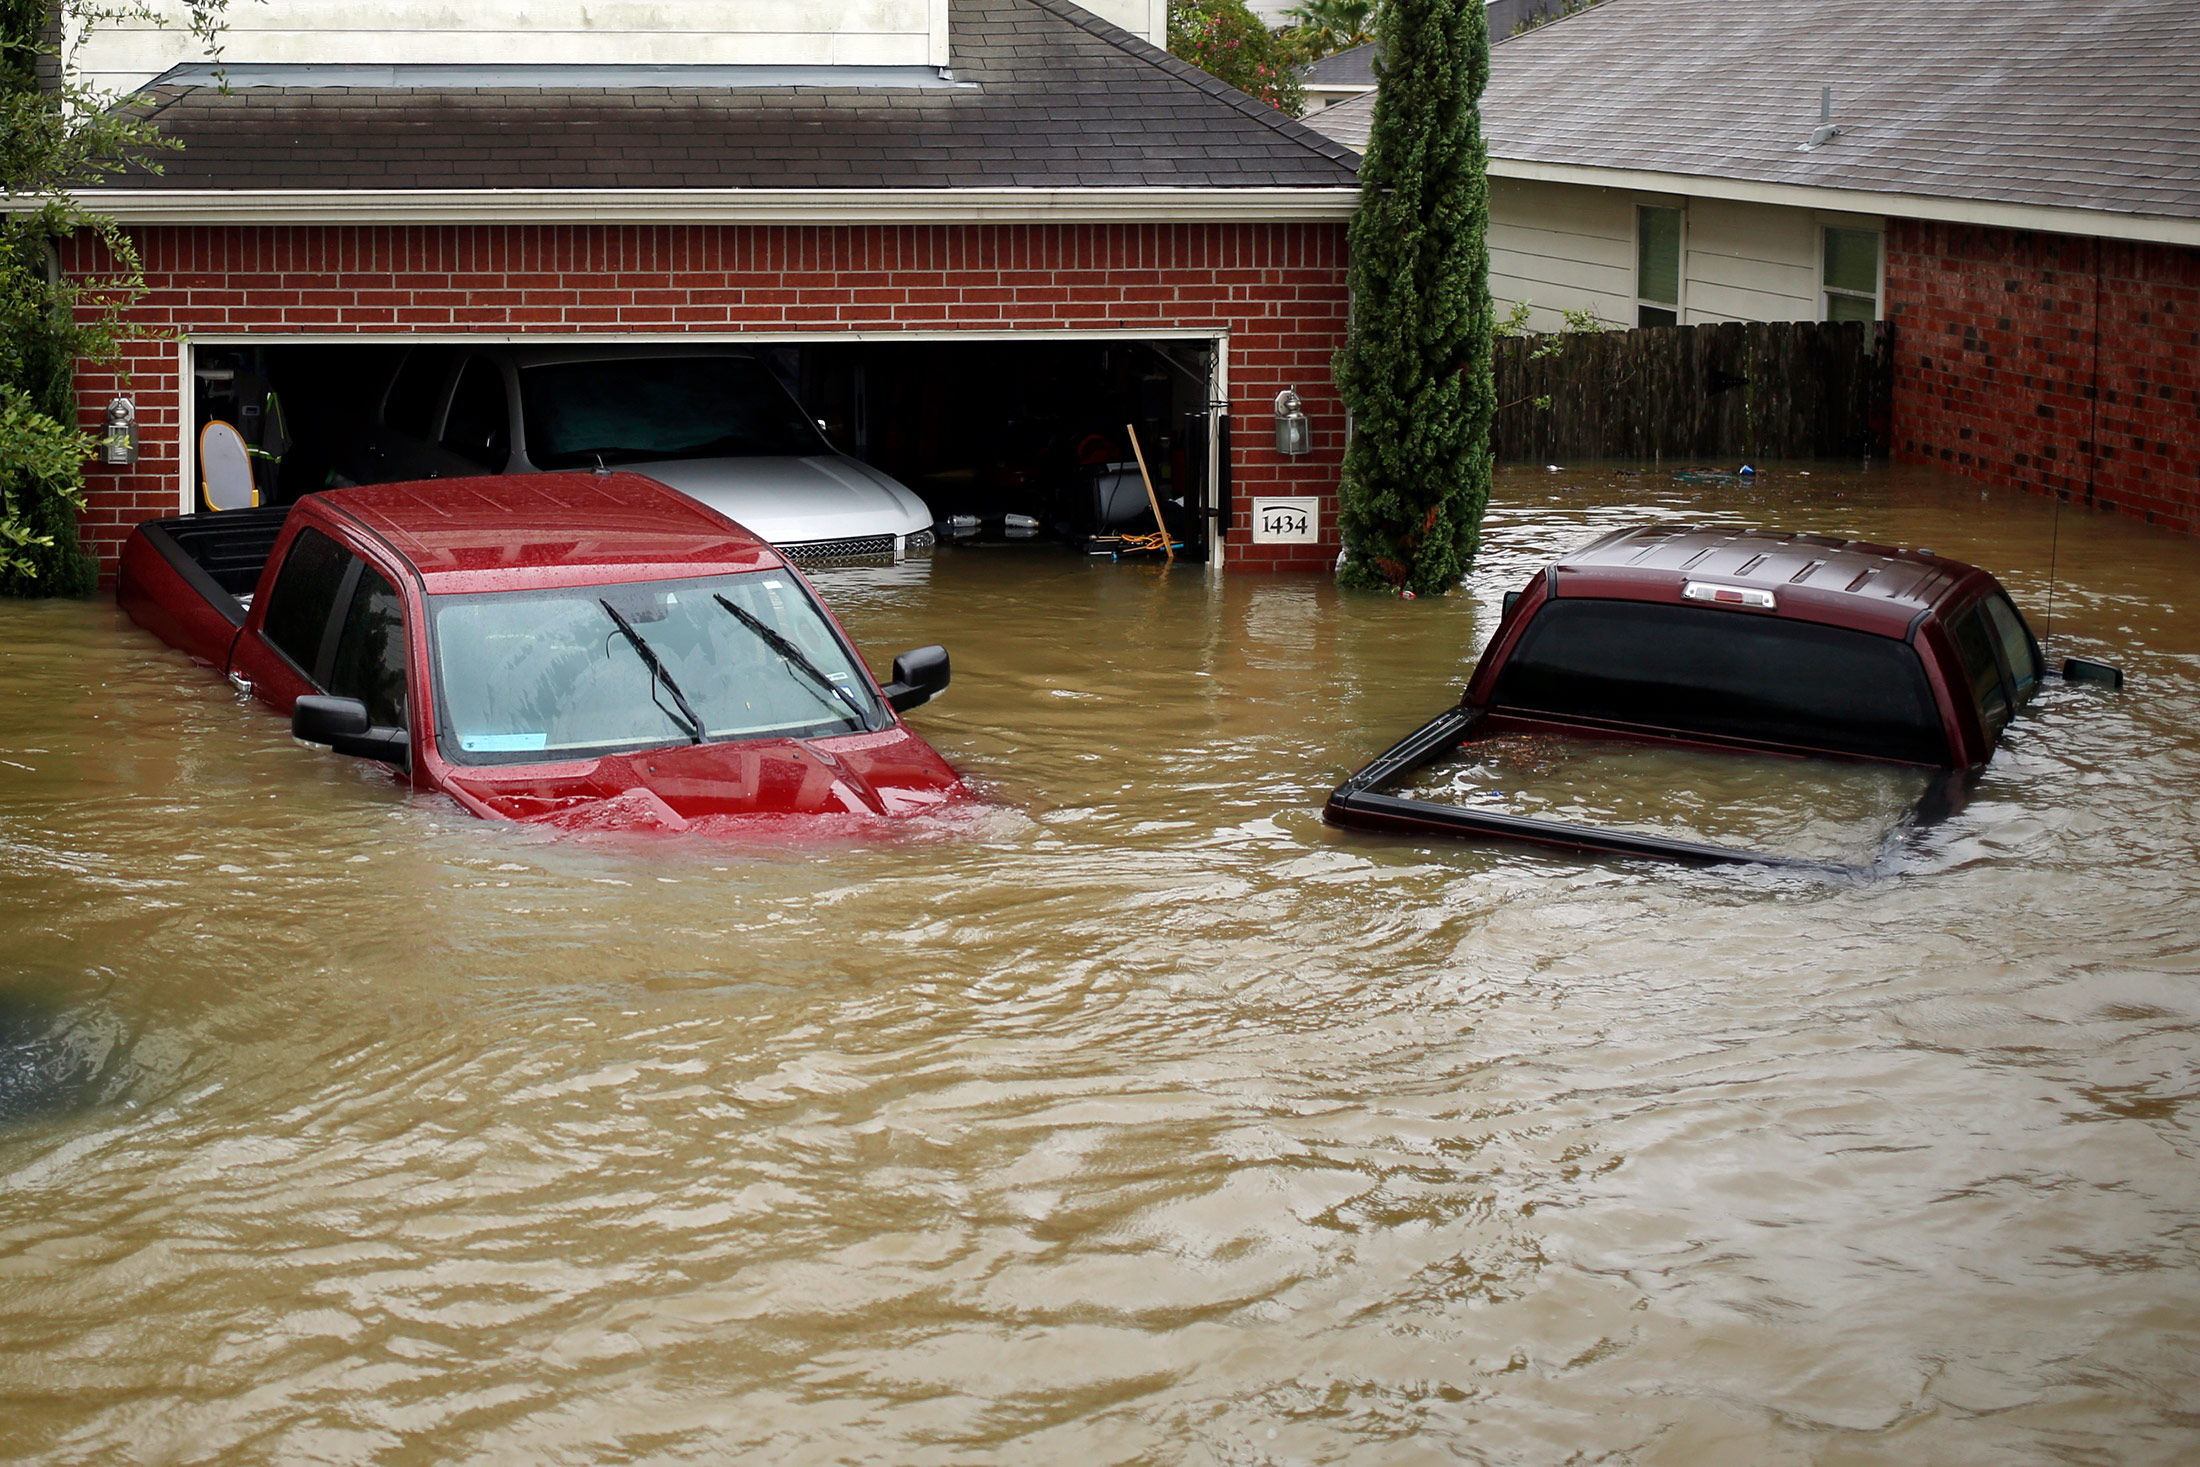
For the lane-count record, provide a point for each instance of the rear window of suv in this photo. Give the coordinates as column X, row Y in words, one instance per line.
column 1725, row 674
column 637, row 409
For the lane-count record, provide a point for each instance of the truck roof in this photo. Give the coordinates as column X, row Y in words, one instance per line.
column 1852, row 583
column 526, row 531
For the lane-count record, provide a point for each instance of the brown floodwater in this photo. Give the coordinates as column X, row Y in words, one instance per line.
column 1139, row 1118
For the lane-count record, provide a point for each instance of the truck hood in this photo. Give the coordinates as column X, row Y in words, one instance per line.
column 792, row 500
column 882, row 775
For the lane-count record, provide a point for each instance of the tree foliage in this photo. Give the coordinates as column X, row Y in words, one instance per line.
column 1321, row 28
column 56, row 134
column 1415, row 371
column 1228, row 42
column 1550, row 11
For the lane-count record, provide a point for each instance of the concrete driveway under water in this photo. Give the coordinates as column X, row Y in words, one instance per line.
column 1142, row 1118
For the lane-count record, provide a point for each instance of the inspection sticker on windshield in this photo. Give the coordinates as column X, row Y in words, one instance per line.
column 511, row 743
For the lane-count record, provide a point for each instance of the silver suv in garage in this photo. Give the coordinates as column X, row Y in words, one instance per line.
column 709, row 421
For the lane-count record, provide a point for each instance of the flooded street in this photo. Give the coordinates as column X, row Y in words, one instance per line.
column 1138, row 1117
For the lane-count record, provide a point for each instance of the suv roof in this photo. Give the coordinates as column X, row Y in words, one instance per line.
column 1854, row 583
column 517, row 531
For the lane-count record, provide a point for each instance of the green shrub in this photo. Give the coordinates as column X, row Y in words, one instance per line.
column 56, row 134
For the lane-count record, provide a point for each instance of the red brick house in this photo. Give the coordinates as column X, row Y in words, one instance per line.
column 1062, row 216
column 2015, row 186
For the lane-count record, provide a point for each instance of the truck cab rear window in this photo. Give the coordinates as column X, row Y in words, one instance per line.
column 1725, row 674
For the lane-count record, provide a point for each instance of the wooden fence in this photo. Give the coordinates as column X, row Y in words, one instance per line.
column 1755, row 389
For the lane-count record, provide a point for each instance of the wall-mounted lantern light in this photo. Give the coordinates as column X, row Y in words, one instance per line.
column 118, row 440
column 1292, row 436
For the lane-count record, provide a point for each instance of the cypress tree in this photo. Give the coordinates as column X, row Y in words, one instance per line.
column 1415, row 369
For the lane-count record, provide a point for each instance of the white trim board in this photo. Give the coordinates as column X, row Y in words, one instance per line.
column 566, row 336
column 721, row 206
column 2051, row 219
column 1028, row 205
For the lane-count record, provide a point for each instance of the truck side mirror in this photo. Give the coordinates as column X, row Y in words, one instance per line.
column 2078, row 670
column 342, row 724
column 918, row 676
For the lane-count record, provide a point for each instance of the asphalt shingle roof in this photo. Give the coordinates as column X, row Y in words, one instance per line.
column 1349, row 68
column 1347, row 122
column 2090, row 104
column 1052, row 97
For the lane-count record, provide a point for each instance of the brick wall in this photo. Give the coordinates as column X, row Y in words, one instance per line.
column 1277, row 289
column 2057, row 364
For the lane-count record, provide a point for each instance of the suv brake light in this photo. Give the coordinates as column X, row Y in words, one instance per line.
column 1729, row 595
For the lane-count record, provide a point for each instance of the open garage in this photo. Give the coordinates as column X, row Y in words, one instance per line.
column 1050, row 438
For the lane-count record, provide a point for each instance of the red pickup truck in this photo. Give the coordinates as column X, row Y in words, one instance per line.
column 577, row 648
column 1788, row 645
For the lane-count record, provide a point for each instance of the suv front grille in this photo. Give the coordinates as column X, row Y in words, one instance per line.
column 857, row 547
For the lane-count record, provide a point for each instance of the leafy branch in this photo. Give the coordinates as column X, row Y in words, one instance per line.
column 1225, row 40
column 58, row 134
column 1578, row 321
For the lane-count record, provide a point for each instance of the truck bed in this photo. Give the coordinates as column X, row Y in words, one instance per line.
column 230, row 547
column 1471, row 773
column 189, row 579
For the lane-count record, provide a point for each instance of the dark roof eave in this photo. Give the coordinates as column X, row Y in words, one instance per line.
column 1979, row 208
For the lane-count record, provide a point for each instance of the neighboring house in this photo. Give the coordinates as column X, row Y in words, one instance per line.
column 2015, row 185
column 1339, row 78
column 898, row 181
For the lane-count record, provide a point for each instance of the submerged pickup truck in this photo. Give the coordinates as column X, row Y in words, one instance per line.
column 1716, row 639
column 574, row 648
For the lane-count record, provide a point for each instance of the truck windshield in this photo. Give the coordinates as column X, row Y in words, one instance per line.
column 526, row 676
column 630, row 409
column 1725, row 674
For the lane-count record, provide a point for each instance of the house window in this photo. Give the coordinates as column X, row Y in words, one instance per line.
column 1852, row 275
column 1657, row 266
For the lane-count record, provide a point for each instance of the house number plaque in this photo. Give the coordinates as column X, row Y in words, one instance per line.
column 1292, row 521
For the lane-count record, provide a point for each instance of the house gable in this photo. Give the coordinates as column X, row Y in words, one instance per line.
column 130, row 50
column 127, row 51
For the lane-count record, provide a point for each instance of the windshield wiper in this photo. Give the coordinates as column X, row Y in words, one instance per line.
column 686, row 718
column 793, row 654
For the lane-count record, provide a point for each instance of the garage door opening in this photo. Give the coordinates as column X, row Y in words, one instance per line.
column 1024, row 439
column 1000, row 442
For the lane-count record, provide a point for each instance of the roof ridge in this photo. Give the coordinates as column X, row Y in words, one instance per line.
column 1184, row 71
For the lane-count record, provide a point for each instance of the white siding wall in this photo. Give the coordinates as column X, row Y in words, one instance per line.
column 1556, row 245
column 1563, row 245
column 126, row 53
column 1147, row 18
